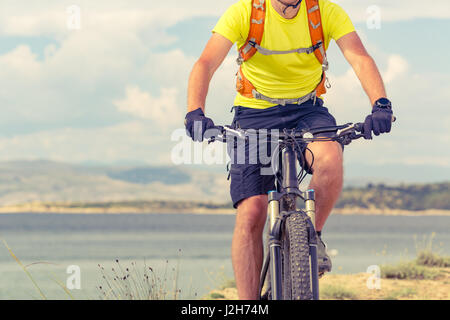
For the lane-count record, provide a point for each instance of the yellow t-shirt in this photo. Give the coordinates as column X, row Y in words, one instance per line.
column 288, row 75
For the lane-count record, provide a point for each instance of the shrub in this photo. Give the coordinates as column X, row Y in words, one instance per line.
column 216, row 295
column 431, row 259
column 408, row 270
column 337, row 292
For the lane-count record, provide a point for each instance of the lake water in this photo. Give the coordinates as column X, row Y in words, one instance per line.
column 197, row 246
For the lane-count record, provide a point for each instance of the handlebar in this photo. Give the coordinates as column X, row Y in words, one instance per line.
column 348, row 130
column 344, row 133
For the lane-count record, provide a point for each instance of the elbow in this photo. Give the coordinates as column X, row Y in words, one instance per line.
column 202, row 72
column 206, row 66
column 362, row 62
column 203, row 64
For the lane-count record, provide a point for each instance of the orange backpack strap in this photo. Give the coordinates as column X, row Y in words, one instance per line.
column 255, row 34
column 318, row 40
column 254, row 39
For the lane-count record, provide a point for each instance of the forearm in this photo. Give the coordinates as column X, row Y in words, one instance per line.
column 368, row 74
column 364, row 66
column 198, row 85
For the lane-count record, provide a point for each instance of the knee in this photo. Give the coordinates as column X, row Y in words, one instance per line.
column 252, row 214
column 329, row 160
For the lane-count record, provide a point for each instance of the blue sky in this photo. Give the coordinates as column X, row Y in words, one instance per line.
column 115, row 90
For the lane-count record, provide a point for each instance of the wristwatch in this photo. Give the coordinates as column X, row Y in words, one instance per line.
column 383, row 103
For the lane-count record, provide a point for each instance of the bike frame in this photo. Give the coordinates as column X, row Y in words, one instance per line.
column 288, row 189
column 281, row 205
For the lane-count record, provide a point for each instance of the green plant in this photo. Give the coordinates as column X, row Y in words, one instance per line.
column 431, row 259
column 428, row 255
column 216, row 295
column 404, row 292
column 229, row 283
column 337, row 292
column 408, row 270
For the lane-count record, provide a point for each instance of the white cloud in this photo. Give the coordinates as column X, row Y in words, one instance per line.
column 397, row 66
column 107, row 68
column 124, row 142
column 169, row 68
column 20, row 61
column 421, row 129
column 347, row 98
column 163, row 110
column 47, row 17
column 398, row 10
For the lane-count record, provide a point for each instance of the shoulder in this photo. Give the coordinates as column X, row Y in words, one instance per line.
column 330, row 8
column 235, row 22
column 240, row 11
column 242, row 6
column 336, row 22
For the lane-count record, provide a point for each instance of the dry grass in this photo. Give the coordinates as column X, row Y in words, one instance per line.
column 138, row 283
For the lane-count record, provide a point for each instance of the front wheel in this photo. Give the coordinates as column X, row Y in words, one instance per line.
column 295, row 259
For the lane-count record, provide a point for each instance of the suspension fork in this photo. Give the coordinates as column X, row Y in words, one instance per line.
column 287, row 163
column 310, row 208
column 275, row 245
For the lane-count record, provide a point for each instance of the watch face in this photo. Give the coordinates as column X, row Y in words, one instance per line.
column 383, row 103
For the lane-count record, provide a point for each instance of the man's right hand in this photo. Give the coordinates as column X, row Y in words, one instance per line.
column 196, row 124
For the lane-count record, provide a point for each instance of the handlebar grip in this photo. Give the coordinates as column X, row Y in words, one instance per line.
column 360, row 126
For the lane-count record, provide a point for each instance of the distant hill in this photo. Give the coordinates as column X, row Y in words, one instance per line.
column 47, row 181
column 407, row 197
column 101, row 186
column 146, row 175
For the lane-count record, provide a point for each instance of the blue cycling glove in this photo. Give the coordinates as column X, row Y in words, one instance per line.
column 196, row 124
column 380, row 121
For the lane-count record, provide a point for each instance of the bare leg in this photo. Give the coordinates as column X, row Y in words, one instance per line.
column 327, row 179
column 247, row 246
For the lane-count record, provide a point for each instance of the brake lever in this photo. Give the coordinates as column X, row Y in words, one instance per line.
column 220, row 137
column 357, row 136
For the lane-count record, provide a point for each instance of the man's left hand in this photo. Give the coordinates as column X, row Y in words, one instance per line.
column 380, row 121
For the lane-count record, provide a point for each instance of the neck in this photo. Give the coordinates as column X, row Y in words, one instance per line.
column 285, row 8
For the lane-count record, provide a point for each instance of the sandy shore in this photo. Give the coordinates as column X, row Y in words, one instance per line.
column 354, row 287
column 67, row 209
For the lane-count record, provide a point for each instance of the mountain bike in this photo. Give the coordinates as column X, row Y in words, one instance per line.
column 290, row 269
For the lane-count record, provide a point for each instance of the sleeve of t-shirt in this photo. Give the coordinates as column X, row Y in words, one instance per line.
column 337, row 22
column 230, row 25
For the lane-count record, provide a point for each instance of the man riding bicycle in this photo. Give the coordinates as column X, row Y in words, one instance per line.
column 282, row 56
